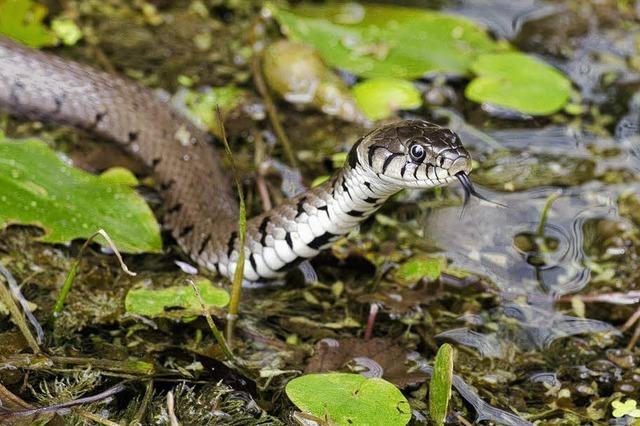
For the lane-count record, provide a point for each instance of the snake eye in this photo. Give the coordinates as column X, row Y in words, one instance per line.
column 417, row 152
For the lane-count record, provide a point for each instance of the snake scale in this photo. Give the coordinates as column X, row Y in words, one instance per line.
column 200, row 206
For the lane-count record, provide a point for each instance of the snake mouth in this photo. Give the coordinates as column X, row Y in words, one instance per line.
column 470, row 190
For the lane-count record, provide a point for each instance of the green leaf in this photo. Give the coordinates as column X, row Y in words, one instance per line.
column 21, row 20
column 419, row 267
column 386, row 41
column 519, row 82
column 378, row 98
column 440, row 385
column 67, row 30
column 176, row 301
column 38, row 188
column 349, row 399
column 119, row 176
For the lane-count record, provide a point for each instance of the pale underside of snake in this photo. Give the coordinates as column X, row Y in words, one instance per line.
column 201, row 208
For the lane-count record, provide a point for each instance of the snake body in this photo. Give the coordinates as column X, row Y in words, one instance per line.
column 200, row 207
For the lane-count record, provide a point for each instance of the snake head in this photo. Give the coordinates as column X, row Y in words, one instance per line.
column 412, row 154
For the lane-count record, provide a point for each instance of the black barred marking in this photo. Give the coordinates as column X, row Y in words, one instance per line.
column 403, row 169
column 98, row 118
column 59, row 102
column 415, row 172
column 368, row 185
column 204, row 244
column 371, row 200
column 231, row 242
column 290, row 265
column 262, row 229
column 326, row 209
column 320, row 241
column 167, row 185
column 175, row 208
column 133, row 136
column 389, row 159
column 352, row 158
column 186, row 231
column 355, row 213
column 252, row 261
column 300, row 206
column 344, row 186
column 287, row 238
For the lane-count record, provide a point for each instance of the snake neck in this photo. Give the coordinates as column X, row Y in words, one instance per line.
column 302, row 226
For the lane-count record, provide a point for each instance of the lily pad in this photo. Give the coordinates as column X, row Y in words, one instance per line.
column 21, row 20
column 519, row 82
column 386, row 41
column 379, row 98
column 38, row 188
column 177, row 301
column 349, row 399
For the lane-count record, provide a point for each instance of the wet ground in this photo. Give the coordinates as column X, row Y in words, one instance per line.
column 535, row 296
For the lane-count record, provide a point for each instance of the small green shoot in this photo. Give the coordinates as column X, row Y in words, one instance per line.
column 212, row 325
column 71, row 276
column 440, row 385
column 238, row 275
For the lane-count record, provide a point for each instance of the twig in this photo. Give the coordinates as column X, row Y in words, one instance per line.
column 260, row 182
column 148, row 393
column 18, row 319
column 171, row 410
column 373, row 311
column 57, row 407
column 634, row 338
column 632, row 319
column 258, row 80
column 212, row 325
column 17, row 294
column 95, row 418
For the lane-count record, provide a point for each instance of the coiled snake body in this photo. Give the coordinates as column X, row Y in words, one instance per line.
column 201, row 209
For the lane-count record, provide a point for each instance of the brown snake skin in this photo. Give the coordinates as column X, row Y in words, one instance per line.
column 195, row 188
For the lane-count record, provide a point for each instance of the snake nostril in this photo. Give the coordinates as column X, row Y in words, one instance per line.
column 461, row 164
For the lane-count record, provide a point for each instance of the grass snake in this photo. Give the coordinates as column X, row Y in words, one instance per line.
column 201, row 209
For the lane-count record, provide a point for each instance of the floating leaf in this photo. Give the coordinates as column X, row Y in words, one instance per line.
column 627, row 408
column 119, row 176
column 419, row 267
column 349, row 399
column 440, row 386
column 67, row 30
column 21, row 20
column 517, row 81
column 378, row 98
column 38, row 188
column 201, row 105
column 180, row 301
column 386, row 41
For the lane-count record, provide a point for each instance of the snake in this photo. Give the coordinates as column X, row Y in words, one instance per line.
column 199, row 201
